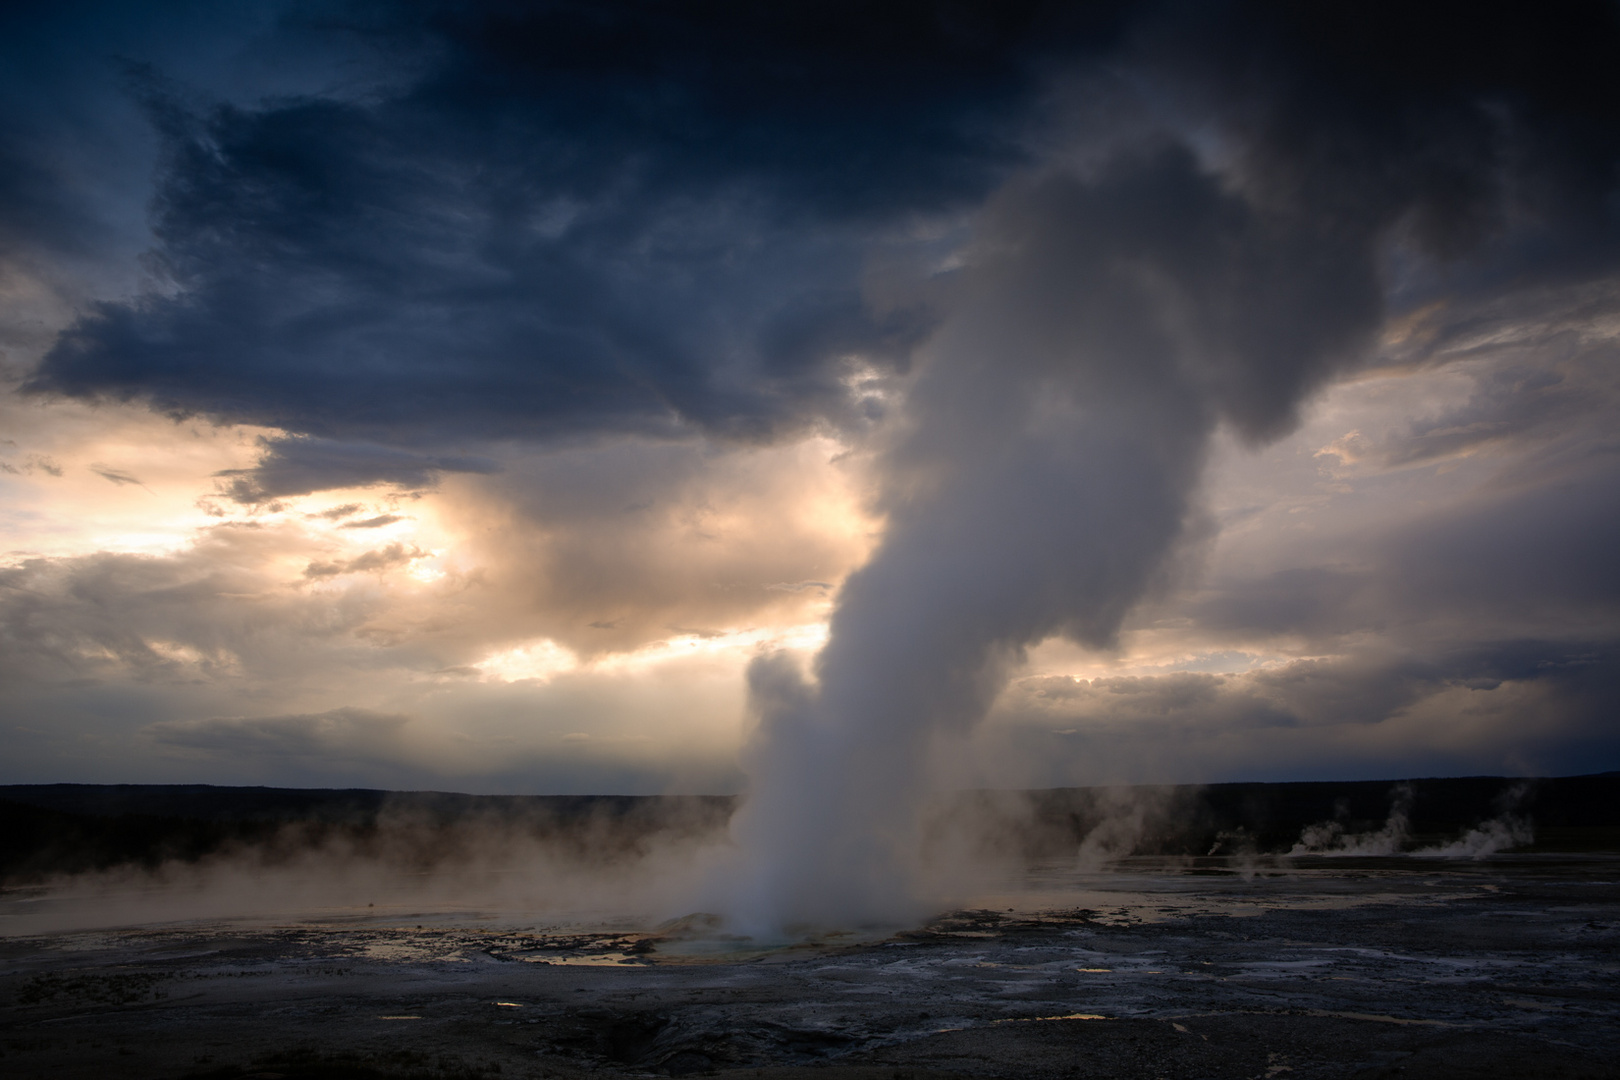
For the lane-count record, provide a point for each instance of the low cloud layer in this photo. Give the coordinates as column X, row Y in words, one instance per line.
column 336, row 733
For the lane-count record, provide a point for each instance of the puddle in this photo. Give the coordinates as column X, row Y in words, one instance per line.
column 1379, row 1018
column 607, row 959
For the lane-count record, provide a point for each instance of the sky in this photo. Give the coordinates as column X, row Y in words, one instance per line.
column 682, row 397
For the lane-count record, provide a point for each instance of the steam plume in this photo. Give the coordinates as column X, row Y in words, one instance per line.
column 1110, row 315
column 1330, row 837
column 1101, row 330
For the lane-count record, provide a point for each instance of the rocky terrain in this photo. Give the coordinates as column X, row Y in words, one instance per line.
column 1276, row 968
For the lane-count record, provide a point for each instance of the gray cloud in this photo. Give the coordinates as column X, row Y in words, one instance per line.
column 338, row 513
column 336, row 731
column 1532, row 707
column 605, row 547
column 299, row 466
column 1540, row 365
column 379, row 559
column 1510, row 560
column 116, row 476
column 206, row 611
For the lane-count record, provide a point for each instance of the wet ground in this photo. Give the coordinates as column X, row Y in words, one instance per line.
column 1390, row 967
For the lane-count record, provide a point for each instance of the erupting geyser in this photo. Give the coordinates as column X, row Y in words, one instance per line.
column 1100, row 330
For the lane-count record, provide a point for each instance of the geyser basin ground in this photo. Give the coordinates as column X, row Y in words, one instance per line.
column 1508, row 966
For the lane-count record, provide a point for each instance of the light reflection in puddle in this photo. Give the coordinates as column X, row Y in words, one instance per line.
column 607, row 959
column 412, row 952
column 1379, row 1017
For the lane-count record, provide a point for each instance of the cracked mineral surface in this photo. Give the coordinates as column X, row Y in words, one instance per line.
column 1347, row 967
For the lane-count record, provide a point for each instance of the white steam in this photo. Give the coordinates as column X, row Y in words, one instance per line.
column 1506, row 830
column 1330, row 837
column 1487, row 838
column 588, row 868
column 1100, row 330
column 1130, row 816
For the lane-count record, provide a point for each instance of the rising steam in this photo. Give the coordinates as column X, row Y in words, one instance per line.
column 1102, row 328
column 1508, row 829
column 1332, row 838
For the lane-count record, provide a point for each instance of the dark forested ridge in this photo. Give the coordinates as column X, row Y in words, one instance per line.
column 1571, row 813
column 50, row 829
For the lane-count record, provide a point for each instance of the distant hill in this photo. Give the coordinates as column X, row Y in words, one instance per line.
column 52, row 829
column 1571, row 813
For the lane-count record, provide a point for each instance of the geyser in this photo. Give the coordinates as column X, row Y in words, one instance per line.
column 1101, row 327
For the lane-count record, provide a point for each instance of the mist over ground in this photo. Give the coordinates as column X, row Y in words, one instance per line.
column 87, row 856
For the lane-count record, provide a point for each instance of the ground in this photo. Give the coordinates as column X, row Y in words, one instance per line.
column 1508, row 966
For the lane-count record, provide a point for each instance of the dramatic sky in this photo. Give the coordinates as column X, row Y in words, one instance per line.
column 599, row 396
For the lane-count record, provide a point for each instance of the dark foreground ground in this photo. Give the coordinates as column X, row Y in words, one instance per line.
column 1401, row 966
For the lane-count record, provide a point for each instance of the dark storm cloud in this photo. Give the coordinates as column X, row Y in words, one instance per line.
column 75, row 153
column 582, row 218
column 298, row 466
column 1458, row 121
column 648, row 217
column 46, row 205
column 36, row 210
